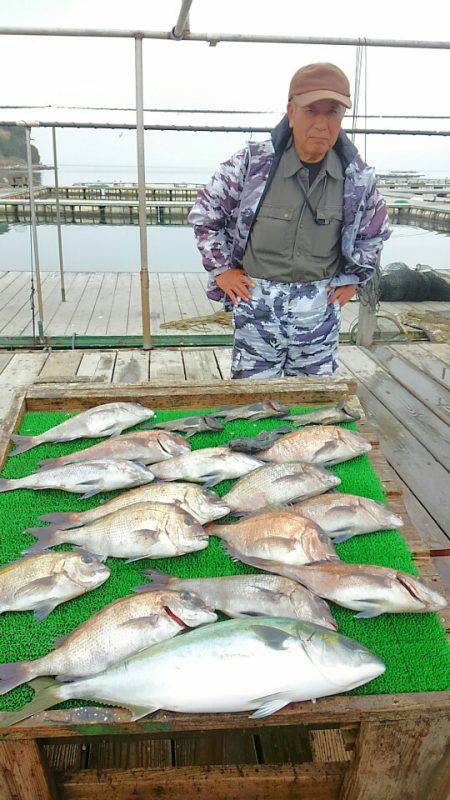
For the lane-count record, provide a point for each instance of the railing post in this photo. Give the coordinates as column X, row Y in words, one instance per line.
column 367, row 316
column 58, row 218
column 37, row 268
column 145, row 300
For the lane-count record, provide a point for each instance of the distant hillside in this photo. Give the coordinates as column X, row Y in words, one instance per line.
column 13, row 147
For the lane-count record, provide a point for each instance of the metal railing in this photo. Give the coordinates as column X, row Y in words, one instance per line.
column 180, row 32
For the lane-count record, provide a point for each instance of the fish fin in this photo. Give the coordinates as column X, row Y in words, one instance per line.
column 273, row 637
column 13, row 674
column 45, row 697
column 270, row 704
column 137, row 712
column 158, row 578
column 41, row 683
column 5, row 484
column 82, row 551
column 140, row 622
column 328, row 447
column 43, row 610
column 47, row 463
column 22, row 443
column 87, row 495
column 234, row 554
column 283, row 544
column 135, row 558
column 46, row 537
column 368, row 613
column 45, row 584
column 58, row 520
column 212, row 479
column 59, row 640
column 68, row 678
column 148, row 533
column 213, row 423
column 342, row 537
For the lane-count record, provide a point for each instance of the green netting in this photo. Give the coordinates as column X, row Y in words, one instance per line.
column 413, row 646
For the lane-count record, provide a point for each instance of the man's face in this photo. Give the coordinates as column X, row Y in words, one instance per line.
column 315, row 127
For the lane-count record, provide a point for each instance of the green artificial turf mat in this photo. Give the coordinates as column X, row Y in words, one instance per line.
column 413, row 646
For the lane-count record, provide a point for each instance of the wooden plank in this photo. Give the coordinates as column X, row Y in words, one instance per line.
column 62, row 757
column 171, row 306
column 118, row 319
column 419, row 420
column 427, row 362
column 230, row 747
column 97, row 366
column 20, row 297
column 17, row 285
column 156, row 305
column 5, row 358
column 223, row 358
column 441, row 565
column 99, row 321
column 134, row 323
column 52, row 301
column 285, row 745
column 329, row 745
column 24, row 773
column 200, row 365
column 166, row 365
column 434, row 536
column 341, row 709
column 439, row 350
column 20, row 320
column 61, row 365
column 434, row 396
column 397, row 761
column 129, row 753
column 80, row 319
column 132, row 366
column 10, row 423
column 192, row 394
column 226, row 782
column 61, row 320
column 425, row 477
column 20, row 372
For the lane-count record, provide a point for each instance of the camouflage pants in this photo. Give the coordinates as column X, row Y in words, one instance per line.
column 285, row 329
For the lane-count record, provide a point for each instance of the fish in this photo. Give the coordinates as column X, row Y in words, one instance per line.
column 87, row 478
column 249, row 595
column 366, row 588
column 275, row 484
column 119, row 630
column 147, row 447
column 278, row 535
column 325, row 446
column 268, row 408
column 255, row 444
column 342, row 515
column 143, row 530
column 191, row 425
column 109, row 419
column 258, row 665
column 209, row 466
column 203, row 504
column 41, row 582
column 327, row 415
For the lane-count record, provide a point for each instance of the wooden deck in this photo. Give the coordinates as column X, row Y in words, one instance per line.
column 404, row 389
column 108, row 304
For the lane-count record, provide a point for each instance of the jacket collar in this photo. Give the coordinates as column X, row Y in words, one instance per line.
column 344, row 148
column 292, row 164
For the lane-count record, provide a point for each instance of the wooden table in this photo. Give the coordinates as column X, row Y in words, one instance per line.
column 381, row 747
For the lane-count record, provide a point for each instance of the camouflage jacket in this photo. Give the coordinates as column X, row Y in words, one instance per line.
column 226, row 208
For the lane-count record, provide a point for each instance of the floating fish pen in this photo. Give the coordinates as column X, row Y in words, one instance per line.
column 385, row 739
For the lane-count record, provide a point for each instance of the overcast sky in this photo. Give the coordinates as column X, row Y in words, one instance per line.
column 100, row 72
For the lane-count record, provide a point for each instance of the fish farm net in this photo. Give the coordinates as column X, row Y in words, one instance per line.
column 413, row 646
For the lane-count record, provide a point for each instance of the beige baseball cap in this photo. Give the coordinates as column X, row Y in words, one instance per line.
column 320, row 82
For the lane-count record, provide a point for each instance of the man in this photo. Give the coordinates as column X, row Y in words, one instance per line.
column 288, row 229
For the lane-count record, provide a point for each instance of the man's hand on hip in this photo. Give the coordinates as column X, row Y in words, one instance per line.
column 341, row 293
column 235, row 283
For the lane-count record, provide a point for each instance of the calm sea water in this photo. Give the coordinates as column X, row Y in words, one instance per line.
column 115, row 248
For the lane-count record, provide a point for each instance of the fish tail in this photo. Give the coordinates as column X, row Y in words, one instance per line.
column 6, row 484
column 47, row 694
column 46, row 537
column 158, row 580
column 61, row 520
column 14, row 674
column 23, row 443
